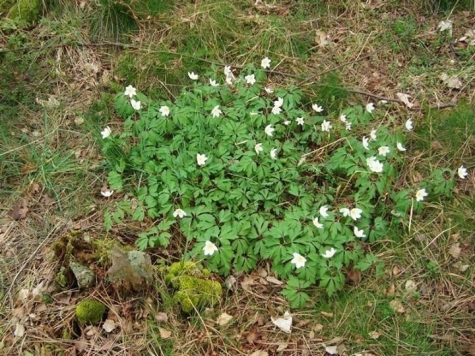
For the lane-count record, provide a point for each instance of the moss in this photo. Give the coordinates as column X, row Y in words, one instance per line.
column 27, row 10
column 192, row 288
column 90, row 311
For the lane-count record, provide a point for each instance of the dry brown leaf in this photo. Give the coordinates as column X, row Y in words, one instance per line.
column 19, row 210
column 332, row 350
column 455, row 250
column 259, row 353
column 460, row 266
column 321, row 38
column 19, row 330
column 410, row 286
column 396, row 270
column 253, row 336
column 262, row 272
column 161, row 317
column 353, row 276
column 391, row 290
column 405, row 99
column 436, row 146
column 317, row 328
column 452, row 82
column 260, row 320
column 397, row 306
column 282, row 346
column 109, row 325
column 274, row 280
column 375, row 334
column 247, row 283
column 230, row 282
column 34, row 188
column 164, row 333
column 223, row 319
column 284, row 322
column 326, row 314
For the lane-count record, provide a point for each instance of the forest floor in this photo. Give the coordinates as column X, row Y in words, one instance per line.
column 57, row 84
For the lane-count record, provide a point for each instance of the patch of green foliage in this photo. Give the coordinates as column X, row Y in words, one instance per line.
column 229, row 166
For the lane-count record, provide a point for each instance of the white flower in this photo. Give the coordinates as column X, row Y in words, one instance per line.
column 107, row 193
column 409, row 126
column 365, row 143
column 372, row 134
column 348, row 126
column 137, row 105
column 317, row 223
column 286, row 122
column 229, row 75
column 130, row 91
column 250, row 79
column 374, row 165
column 400, row 147
column 358, row 232
column 193, row 75
column 210, row 248
column 269, row 90
column 273, row 153
column 106, row 132
column 279, row 102
column 355, row 213
column 269, row 130
column 265, row 63
column 201, row 159
column 369, row 107
column 383, row 150
column 445, row 25
column 258, row 148
column 179, row 212
column 276, row 110
column 326, row 125
column 228, row 72
column 343, row 118
column 345, row 211
column 329, row 253
column 298, row 260
column 462, row 172
column 300, row 121
column 317, row 108
column 216, row 111
column 324, row 211
column 164, row 110
column 213, row 83
column 421, row 194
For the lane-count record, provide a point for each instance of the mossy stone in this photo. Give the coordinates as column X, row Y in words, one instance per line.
column 192, row 288
column 90, row 311
column 84, row 276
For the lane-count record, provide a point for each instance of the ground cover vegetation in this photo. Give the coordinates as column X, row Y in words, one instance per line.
column 311, row 161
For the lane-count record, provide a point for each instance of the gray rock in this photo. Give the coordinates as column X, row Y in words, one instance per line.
column 83, row 275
